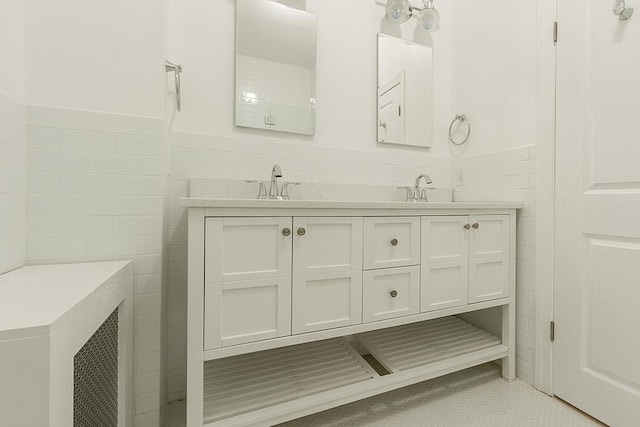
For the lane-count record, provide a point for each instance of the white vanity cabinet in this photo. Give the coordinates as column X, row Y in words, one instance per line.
column 465, row 259
column 327, row 273
column 276, row 286
column 391, row 280
column 247, row 280
column 488, row 257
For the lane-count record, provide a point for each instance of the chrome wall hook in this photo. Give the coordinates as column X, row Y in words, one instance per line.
column 621, row 10
column 177, row 70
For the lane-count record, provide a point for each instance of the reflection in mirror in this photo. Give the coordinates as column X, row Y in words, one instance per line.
column 405, row 103
column 275, row 67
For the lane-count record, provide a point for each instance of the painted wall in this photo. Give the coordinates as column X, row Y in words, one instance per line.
column 12, row 49
column 495, row 83
column 13, row 181
column 494, row 73
column 96, row 155
column 86, row 56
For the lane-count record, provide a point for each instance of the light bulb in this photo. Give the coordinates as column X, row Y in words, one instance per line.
column 429, row 20
column 618, row 7
column 397, row 11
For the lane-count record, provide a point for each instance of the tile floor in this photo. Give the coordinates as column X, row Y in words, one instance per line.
column 474, row 397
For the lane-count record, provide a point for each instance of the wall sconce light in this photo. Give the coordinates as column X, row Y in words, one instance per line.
column 399, row 11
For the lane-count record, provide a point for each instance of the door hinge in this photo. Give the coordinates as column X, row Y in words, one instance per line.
column 552, row 331
column 555, row 31
column 399, row 110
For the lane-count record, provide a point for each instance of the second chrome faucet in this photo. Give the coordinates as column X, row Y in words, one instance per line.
column 416, row 194
column 274, row 192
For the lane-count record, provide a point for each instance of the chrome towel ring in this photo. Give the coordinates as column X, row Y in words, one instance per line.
column 463, row 119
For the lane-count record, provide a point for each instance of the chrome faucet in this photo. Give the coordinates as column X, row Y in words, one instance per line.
column 421, row 195
column 275, row 193
column 415, row 194
column 276, row 173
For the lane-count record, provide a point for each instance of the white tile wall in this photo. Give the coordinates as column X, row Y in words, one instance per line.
column 252, row 158
column 96, row 191
column 13, row 184
column 509, row 176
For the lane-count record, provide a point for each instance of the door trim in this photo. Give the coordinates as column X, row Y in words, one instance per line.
column 545, row 193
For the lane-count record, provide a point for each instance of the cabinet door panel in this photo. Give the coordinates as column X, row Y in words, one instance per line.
column 491, row 237
column 488, row 279
column 444, row 238
column 241, row 312
column 328, row 245
column 238, row 249
column 325, row 301
column 390, row 292
column 391, row 242
column 247, row 280
column 444, row 285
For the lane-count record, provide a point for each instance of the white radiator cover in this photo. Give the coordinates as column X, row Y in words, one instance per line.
column 48, row 314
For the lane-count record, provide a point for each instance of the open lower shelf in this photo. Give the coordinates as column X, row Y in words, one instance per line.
column 418, row 344
column 277, row 385
column 249, row 382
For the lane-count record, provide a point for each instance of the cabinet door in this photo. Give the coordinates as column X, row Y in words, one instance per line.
column 327, row 265
column 445, row 249
column 391, row 242
column 247, row 280
column 444, row 285
column 390, row 292
column 444, row 238
column 488, row 257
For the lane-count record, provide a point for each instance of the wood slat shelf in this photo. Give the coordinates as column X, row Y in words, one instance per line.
column 246, row 383
column 239, row 390
column 419, row 344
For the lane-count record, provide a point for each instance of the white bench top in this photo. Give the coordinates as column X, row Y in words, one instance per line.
column 32, row 298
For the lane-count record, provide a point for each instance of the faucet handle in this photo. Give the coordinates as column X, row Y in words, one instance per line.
column 423, row 195
column 284, row 193
column 262, row 190
column 410, row 196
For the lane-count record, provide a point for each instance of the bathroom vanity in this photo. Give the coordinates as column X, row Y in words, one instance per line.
column 295, row 307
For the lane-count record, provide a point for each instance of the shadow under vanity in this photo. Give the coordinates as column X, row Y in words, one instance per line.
column 299, row 306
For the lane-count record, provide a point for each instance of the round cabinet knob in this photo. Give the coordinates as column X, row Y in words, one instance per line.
column 476, row 226
column 467, row 226
column 394, row 242
column 286, row 232
column 301, row 231
column 393, row 293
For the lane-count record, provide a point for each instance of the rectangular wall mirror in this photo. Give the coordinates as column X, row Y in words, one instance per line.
column 405, row 93
column 275, row 67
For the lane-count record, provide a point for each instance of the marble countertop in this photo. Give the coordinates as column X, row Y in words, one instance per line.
column 203, row 202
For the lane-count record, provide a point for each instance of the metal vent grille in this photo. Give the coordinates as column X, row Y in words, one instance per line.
column 95, row 378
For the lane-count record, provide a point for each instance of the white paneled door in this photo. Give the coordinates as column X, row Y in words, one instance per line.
column 597, row 273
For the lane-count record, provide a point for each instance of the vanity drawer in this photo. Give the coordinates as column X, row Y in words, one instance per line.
column 391, row 242
column 390, row 292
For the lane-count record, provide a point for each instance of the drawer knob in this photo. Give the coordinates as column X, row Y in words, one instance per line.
column 301, row 231
column 467, row 226
column 476, row 226
column 394, row 242
column 286, row 232
column 393, row 293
